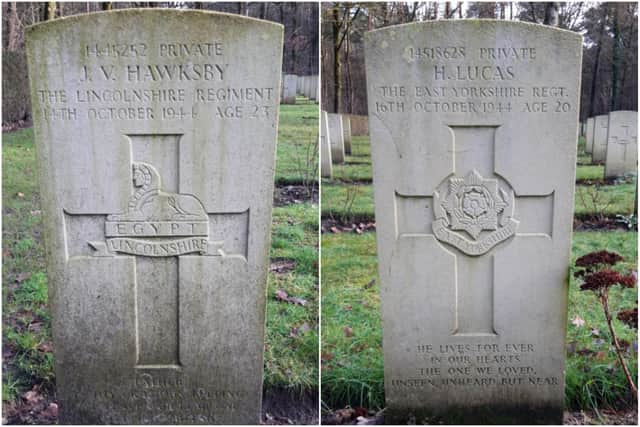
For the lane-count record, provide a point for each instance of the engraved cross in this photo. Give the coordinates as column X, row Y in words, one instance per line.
column 473, row 211
column 157, row 227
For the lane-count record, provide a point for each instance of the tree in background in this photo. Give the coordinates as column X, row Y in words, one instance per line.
column 610, row 30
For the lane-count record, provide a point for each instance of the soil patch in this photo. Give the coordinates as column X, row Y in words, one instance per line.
column 281, row 406
column 335, row 226
column 603, row 223
column 289, row 194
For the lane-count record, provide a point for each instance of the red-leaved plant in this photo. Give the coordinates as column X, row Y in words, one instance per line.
column 597, row 276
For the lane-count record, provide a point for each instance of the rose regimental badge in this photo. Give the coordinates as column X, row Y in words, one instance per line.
column 474, row 205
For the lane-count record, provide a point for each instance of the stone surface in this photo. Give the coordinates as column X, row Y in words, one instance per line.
column 359, row 125
column 155, row 134
column 315, row 83
column 326, row 168
column 473, row 136
column 622, row 144
column 589, row 135
column 289, row 89
column 346, row 132
column 336, row 137
column 599, row 150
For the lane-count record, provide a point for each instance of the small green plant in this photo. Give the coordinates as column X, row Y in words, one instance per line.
column 594, row 200
column 595, row 271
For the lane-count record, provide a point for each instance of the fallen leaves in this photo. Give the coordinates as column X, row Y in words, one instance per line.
column 348, row 332
column 281, row 295
column 578, row 321
column 299, row 330
column 282, row 266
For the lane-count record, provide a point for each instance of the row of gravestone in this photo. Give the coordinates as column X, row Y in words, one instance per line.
column 293, row 85
column 335, row 140
column 157, row 227
column 612, row 139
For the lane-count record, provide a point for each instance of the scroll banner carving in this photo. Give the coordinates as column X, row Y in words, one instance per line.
column 157, row 223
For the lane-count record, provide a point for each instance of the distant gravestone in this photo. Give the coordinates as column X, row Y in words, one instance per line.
column 289, row 89
column 299, row 85
column 326, row 168
column 359, row 125
column 157, row 202
column 346, row 132
column 622, row 144
column 336, row 137
column 473, row 137
column 313, row 92
column 599, row 150
column 589, row 135
column 307, row 86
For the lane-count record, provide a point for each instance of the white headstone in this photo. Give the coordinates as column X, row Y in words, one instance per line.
column 326, row 168
column 289, row 89
column 622, row 144
column 346, row 131
column 314, row 87
column 473, row 136
column 589, row 135
column 336, row 137
column 157, row 203
column 600, row 124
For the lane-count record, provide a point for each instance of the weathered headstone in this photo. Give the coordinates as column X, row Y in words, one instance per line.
column 307, row 86
column 599, row 150
column 589, row 136
column 336, row 137
column 473, row 135
column 326, row 168
column 299, row 85
column 359, row 125
column 313, row 92
column 155, row 133
column 622, row 144
column 289, row 89
column 346, row 132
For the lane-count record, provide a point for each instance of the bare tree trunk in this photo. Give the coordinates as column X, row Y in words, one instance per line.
column 511, row 11
column 263, row 12
column 596, row 63
column 106, row 5
column 551, row 16
column 337, row 92
column 13, row 27
column 615, row 66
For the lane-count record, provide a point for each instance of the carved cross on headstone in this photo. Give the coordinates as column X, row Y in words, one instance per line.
column 158, row 226
column 625, row 140
column 473, row 211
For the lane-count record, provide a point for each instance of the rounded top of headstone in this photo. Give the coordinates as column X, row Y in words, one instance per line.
column 483, row 25
column 159, row 14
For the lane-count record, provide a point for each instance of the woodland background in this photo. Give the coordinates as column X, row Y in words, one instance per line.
column 609, row 64
column 300, row 21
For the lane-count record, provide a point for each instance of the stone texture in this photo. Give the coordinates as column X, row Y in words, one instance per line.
column 326, row 168
column 473, row 137
column 289, row 89
column 336, row 137
column 599, row 150
column 346, row 132
column 589, row 135
column 359, row 125
column 155, row 134
column 622, row 144
column 313, row 93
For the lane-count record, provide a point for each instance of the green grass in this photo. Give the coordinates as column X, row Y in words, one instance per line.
column 352, row 372
column 589, row 172
column 352, row 369
column 604, row 199
column 291, row 360
column 297, row 143
column 347, row 202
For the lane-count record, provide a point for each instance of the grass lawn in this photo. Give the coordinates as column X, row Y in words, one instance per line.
column 352, row 365
column 297, row 143
column 291, row 356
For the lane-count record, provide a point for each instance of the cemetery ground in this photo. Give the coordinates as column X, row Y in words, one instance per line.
column 291, row 347
column 351, row 351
